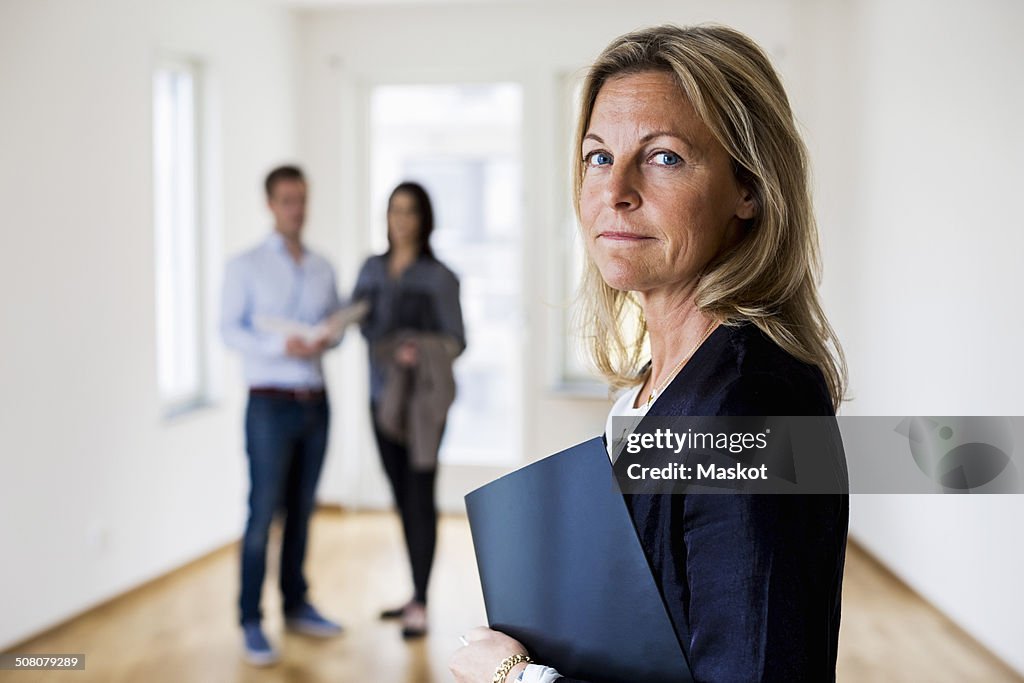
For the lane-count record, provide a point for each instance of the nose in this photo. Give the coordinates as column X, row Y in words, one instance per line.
column 621, row 193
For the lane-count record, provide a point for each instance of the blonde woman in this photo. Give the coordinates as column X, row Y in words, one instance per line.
column 692, row 195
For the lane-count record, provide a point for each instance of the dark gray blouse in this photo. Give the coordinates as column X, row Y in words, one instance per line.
column 424, row 298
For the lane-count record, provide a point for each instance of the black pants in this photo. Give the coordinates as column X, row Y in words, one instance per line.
column 414, row 496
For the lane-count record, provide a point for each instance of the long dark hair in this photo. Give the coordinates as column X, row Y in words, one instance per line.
column 423, row 209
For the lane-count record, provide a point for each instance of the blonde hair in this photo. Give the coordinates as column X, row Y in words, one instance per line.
column 770, row 277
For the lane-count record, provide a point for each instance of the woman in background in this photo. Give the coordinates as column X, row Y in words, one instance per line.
column 414, row 332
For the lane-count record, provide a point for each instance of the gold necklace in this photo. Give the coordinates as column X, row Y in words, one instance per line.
column 679, row 366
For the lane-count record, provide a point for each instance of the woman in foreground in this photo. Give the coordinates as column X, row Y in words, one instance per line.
column 693, row 200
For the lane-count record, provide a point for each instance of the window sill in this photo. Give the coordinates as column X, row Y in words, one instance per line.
column 580, row 389
column 179, row 411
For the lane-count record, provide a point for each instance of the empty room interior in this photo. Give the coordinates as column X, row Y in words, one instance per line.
column 237, row 224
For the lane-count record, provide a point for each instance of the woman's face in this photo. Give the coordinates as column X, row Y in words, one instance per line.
column 659, row 198
column 404, row 220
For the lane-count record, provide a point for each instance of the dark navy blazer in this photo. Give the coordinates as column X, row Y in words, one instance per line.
column 752, row 582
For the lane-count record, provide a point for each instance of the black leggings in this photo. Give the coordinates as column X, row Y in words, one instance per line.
column 414, row 496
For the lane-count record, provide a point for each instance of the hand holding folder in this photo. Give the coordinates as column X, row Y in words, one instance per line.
column 564, row 573
column 329, row 329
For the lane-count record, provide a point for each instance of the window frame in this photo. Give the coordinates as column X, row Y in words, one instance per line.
column 371, row 208
column 568, row 379
column 199, row 394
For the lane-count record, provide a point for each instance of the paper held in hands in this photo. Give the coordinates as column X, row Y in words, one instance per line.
column 328, row 329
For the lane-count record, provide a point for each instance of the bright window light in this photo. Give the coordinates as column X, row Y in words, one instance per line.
column 179, row 311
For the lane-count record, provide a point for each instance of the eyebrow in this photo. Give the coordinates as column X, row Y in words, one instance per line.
column 647, row 138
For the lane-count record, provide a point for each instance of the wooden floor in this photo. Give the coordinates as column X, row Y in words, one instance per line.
column 181, row 628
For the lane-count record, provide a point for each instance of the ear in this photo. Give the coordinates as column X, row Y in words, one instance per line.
column 746, row 206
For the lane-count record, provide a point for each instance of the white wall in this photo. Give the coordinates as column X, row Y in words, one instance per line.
column 917, row 141
column 97, row 492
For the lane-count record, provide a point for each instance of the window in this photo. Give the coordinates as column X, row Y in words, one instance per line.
column 573, row 372
column 463, row 144
column 179, row 312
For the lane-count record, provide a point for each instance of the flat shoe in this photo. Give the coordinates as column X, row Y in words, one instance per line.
column 414, row 622
column 395, row 613
column 410, row 633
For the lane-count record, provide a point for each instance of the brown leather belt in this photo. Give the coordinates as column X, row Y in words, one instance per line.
column 290, row 394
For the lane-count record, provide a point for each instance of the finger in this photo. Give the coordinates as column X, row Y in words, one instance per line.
column 455, row 664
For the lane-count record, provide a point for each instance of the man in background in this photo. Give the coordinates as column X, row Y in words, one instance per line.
column 275, row 296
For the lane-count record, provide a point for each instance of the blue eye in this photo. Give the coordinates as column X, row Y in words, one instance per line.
column 598, row 159
column 668, row 158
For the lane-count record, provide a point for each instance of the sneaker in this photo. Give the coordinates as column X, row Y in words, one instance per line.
column 307, row 621
column 257, row 648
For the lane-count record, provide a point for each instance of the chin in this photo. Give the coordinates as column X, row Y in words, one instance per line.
column 621, row 275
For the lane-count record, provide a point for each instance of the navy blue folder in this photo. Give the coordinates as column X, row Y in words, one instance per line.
column 563, row 572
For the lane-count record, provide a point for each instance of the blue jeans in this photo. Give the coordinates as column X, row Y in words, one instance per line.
column 286, row 441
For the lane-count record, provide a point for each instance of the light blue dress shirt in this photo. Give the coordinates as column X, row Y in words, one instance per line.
column 266, row 281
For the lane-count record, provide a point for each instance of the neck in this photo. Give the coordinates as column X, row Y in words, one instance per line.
column 675, row 326
column 401, row 258
column 405, row 252
column 294, row 245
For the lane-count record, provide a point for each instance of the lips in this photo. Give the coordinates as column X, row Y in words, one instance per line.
column 620, row 236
